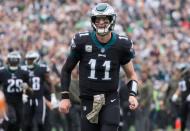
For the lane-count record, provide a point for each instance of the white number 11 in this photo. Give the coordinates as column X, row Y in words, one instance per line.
column 92, row 64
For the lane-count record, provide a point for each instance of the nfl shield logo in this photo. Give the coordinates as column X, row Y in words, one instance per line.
column 102, row 50
column 88, row 48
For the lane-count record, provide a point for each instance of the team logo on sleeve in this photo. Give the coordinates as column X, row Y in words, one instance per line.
column 88, row 48
column 131, row 44
column 73, row 44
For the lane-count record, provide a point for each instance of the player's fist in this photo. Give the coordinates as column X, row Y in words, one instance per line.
column 64, row 105
column 133, row 103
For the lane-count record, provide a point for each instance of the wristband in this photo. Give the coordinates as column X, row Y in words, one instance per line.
column 133, row 87
column 65, row 95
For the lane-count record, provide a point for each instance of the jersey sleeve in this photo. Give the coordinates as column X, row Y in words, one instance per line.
column 75, row 47
column 128, row 51
column 71, row 62
column 47, row 93
column 1, row 74
column 26, row 77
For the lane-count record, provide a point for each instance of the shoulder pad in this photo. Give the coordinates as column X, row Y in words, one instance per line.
column 122, row 37
column 125, row 41
column 81, row 35
column 79, row 38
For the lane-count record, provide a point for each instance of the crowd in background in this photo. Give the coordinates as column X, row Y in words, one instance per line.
column 160, row 30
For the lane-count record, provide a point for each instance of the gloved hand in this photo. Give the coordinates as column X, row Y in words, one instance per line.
column 24, row 98
column 54, row 101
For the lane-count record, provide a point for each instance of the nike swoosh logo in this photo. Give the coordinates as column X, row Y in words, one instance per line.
column 113, row 100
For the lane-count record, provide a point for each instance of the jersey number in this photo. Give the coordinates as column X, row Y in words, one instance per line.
column 92, row 64
column 14, row 85
column 35, row 83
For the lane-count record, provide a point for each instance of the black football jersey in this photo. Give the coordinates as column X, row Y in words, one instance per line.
column 11, row 82
column 100, row 63
column 184, row 86
column 37, row 79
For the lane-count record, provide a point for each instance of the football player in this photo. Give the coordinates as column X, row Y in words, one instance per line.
column 100, row 54
column 183, row 91
column 13, row 80
column 35, row 104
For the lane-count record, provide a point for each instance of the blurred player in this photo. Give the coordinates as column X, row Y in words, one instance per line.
column 183, row 91
column 101, row 53
column 35, row 104
column 13, row 79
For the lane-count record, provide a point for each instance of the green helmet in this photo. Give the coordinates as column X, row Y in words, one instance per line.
column 103, row 9
column 32, row 57
column 13, row 60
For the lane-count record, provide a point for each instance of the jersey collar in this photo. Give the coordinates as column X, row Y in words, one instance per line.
column 111, row 42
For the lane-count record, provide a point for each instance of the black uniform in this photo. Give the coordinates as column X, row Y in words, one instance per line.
column 99, row 69
column 11, row 82
column 35, row 109
column 184, row 86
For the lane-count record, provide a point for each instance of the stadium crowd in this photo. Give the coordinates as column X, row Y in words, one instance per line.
column 160, row 30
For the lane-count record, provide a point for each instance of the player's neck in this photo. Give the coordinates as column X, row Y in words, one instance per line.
column 104, row 39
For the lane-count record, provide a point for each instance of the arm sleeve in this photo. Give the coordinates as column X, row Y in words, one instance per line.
column 47, row 94
column 47, row 78
column 66, row 73
column 1, row 75
column 70, row 63
column 27, row 78
column 128, row 52
column 29, row 83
